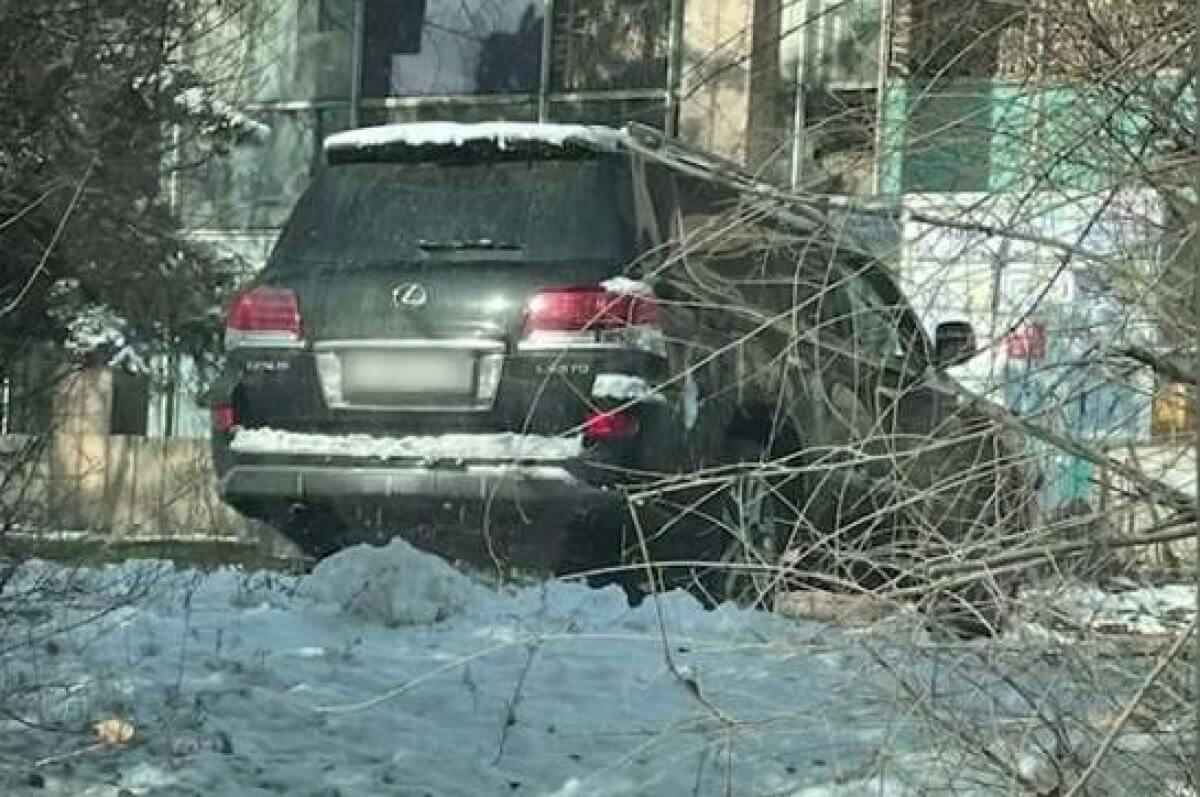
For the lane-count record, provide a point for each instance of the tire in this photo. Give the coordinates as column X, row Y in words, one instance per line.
column 979, row 511
column 745, row 535
column 316, row 530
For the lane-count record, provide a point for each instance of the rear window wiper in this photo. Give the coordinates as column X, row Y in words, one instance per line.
column 481, row 244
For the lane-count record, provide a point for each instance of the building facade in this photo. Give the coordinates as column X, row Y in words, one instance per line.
column 874, row 98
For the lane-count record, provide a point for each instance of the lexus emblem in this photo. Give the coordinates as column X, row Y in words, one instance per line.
column 410, row 295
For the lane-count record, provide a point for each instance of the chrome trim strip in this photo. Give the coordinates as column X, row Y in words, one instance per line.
column 237, row 340
column 470, row 344
column 565, row 345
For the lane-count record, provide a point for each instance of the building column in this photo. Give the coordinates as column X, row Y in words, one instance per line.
column 79, row 446
column 730, row 101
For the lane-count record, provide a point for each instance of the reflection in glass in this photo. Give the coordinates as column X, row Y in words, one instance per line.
column 448, row 47
column 610, row 44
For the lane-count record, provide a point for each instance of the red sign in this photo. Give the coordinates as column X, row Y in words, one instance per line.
column 1027, row 342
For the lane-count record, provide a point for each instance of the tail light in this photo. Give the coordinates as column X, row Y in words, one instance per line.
column 263, row 317
column 224, row 417
column 611, row 425
column 589, row 309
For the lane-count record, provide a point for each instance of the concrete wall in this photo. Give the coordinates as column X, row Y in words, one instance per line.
column 80, row 477
column 117, row 485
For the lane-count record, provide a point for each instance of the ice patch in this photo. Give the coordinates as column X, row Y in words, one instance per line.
column 395, row 585
column 454, row 134
column 505, row 446
column 623, row 387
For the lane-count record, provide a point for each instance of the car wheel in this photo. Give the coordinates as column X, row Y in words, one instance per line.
column 750, row 533
column 316, row 530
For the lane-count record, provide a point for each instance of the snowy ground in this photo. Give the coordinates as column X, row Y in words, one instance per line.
column 387, row 672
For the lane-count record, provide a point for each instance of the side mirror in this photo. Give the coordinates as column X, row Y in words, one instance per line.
column 954, row 343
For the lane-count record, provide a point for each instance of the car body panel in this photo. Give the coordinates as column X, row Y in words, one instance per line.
column 787, row 332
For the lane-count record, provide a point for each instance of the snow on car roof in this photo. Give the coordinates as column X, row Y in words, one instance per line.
column 455, row 134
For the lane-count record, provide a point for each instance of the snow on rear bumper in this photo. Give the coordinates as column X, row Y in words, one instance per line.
column 502, row 447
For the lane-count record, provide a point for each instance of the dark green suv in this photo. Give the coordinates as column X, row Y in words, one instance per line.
column 561, row 347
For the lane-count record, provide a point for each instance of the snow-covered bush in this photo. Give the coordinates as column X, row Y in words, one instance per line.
column 393, row 585
column 89, row 95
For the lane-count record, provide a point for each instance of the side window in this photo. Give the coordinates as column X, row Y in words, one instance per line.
column 883, row 333
column 873, row 323
column 776, row 275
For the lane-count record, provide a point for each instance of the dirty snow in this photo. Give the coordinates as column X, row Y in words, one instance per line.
column 486, row 447
column 1166, row 609
column 387, row 672
column 624, row 387
column 454, row 134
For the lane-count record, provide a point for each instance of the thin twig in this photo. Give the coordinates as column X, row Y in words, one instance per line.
column 1123, row 719
column 510, row 712
column 690, row 683
column 58, row 231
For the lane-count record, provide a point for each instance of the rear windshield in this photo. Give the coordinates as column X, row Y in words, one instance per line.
column 366, row 213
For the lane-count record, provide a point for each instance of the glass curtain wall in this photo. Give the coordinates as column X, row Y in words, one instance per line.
column 830, row 76
column 308, row 68
column 598, row 61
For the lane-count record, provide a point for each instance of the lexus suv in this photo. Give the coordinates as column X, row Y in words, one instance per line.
column 571, row 348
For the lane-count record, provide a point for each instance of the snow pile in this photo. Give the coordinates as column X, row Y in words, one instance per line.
column 624, row 387
column 387, row 672
column 393, row 586
column 454, row 134
column 486, row 447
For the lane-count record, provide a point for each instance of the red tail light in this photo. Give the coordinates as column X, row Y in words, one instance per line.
column 589, row 308
column 224, row 417
column 268, row 317
column 613, row 425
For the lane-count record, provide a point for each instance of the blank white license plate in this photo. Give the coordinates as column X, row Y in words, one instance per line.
column 408, row 372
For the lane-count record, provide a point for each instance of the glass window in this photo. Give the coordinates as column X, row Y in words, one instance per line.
column 838, row 143
column 366, row 213
column 292, row 50
column 449, row 47
column 883, row 331
column 175, row 407
column 838, row 39
column 949, row 131
column 28, row 383
column 517, row 110
column 610, row 44
column 652, row 112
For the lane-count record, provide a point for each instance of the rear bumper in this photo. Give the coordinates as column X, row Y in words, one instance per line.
column 521, row 484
